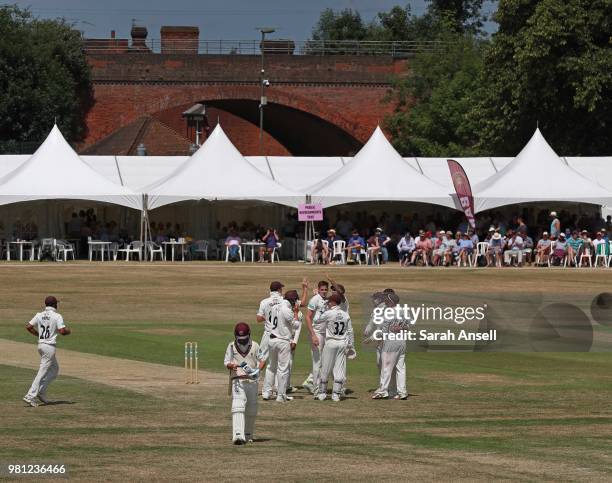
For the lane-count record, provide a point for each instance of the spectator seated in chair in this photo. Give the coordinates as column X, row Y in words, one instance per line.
column 373, row 248
column 574, row 246
column 466, row 248
column 424, row 248
column 514, row 248
column 496, row 248
column 271, row 242
column 405, row 247
column 559, row 250
column 355, row 244
column 232, row 242
column 599, row 240
column 440, row 248
column 319, row 253
column 383, row 241
column 543, row 249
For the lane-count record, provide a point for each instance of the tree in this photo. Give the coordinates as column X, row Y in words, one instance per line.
column 460, row 16
column 44, row 76
column 549, row 63
column 343, row 25
column 432, row 104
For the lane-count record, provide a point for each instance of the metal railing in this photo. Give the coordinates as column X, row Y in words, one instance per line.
column 253, row 47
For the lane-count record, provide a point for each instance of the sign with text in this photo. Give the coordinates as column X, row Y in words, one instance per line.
column 310, row 212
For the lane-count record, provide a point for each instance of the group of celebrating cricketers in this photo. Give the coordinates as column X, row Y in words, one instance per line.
column 332, row 343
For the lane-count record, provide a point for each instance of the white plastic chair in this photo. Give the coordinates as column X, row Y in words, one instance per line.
column 154, row 249
column 372, row 259
column 339, row 247
column 275, row 251
column 63, row 249
column 134, row 247
column 239, row 253
column 48, row 243
column 481, row 251
column 538, row 260
column 601, row 255
column 468, row 263
column 201, row 248
column 586, row 253
column 362, row 255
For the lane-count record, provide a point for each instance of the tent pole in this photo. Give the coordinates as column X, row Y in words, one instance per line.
column 306, row 233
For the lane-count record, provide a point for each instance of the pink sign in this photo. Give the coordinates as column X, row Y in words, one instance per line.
column 310, row 212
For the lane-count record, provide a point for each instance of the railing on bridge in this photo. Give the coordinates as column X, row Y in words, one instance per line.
column 253, row 47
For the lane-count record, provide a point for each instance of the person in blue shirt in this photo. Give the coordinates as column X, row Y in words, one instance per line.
column 355, row 244
column 383, row 240
column 270, row 240
column 466, row 247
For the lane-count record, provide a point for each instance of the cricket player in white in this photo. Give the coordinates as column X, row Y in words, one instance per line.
column 45, row 325
column 264, row 314
column 392, row 356
column 296, row 336
column 244, row 359
column 316, row 306
column 285, row 321
column 380, row 301
column 339, row 343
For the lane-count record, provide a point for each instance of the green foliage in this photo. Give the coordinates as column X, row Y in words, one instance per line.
column 550, row 62
column 433, row 103
column 343, row 25
column 459, row 16
column 43, row 75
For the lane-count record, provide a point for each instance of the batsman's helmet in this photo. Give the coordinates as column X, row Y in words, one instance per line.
column 242, row 329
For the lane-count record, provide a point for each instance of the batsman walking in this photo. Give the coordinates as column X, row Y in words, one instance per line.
column 45, row 325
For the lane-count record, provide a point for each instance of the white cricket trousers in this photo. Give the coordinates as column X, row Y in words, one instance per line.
column 316, row 352
column 392, row 386
column 393, row 367
column 279, row 360
column 244, row 408
column 263, row 345
column 333, row 360
column 47, row 372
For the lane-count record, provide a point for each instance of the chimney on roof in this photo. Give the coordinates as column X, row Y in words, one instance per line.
column 179, row 40
column 112, row 34
column 139, row 37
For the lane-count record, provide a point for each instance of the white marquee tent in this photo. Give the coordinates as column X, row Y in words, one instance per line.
column 217, row 171
column 378, row 173
column 55, row 171
column 538, row 174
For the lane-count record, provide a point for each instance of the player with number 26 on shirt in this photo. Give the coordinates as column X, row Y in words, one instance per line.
column 45, row 325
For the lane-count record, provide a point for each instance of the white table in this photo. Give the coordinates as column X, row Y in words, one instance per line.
column 102, row 244
column 172, row 245
column 21, row 243
column 252, row 245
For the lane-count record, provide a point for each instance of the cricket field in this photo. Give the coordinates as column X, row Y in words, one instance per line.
column 123, row 412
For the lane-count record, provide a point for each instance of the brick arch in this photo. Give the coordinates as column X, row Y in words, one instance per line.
column 354, row 111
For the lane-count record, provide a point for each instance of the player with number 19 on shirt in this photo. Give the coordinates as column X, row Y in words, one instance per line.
column 45, row 325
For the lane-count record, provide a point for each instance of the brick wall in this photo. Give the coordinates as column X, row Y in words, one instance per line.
column 179, row 40
column 346, row 91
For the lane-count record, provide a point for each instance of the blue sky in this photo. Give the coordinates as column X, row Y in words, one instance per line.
column 230, row 19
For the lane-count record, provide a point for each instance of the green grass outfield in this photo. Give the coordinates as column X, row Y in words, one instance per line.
column 520, row 416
